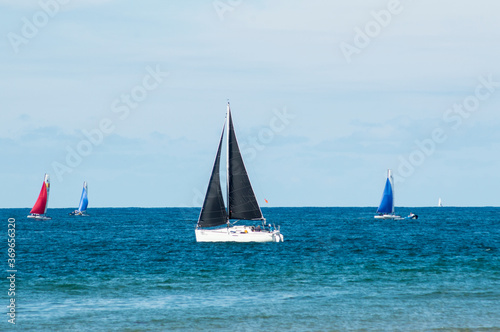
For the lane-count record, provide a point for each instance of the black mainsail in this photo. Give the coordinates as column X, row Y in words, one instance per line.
column 242, row 201
column 213, row 213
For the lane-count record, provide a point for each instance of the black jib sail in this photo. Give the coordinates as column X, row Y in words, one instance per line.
column 213, row 213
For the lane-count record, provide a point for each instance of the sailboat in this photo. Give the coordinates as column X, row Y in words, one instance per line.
column 386, row 207
column 440, row 203
column 40, row 208
column 216, row 223
column 84, row 202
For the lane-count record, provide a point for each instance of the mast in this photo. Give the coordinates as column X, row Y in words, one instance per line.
column 228, row 178
column 389, row 176
column 46, row 181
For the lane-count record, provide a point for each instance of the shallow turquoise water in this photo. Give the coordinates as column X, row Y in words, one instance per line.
column 338, row 269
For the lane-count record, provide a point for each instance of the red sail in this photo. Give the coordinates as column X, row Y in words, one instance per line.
column 39, row 207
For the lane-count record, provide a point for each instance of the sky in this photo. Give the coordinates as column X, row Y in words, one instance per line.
column 326, row 96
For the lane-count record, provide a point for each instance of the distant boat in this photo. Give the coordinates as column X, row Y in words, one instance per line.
column 40, row 208
column 242, row 203
column 440, row 204
column 386, row 207
column 84, row 202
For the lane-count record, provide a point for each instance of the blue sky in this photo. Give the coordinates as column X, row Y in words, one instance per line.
column 417, row 91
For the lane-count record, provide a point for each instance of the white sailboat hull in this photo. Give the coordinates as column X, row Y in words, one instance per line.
column 388, row 216
column 79, row 213
column 237, row 234
column 395, row 217
column 39, row 217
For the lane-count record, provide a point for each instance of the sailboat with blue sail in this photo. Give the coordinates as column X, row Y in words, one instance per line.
column 84, row 202
column 386, row 207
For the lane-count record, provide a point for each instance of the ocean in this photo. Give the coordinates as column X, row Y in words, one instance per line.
column 339, row 269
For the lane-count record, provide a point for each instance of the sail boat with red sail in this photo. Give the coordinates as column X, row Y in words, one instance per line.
column 39, row 210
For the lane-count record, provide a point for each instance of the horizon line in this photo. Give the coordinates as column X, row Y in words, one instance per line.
column 264, row 207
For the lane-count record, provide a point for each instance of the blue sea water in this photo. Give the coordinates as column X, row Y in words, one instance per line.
column 339, row 269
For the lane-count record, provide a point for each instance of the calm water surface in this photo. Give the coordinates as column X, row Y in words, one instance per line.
column 338, row 269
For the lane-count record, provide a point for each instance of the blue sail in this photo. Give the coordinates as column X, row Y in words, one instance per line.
column 84, row 201
column 387, row 203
